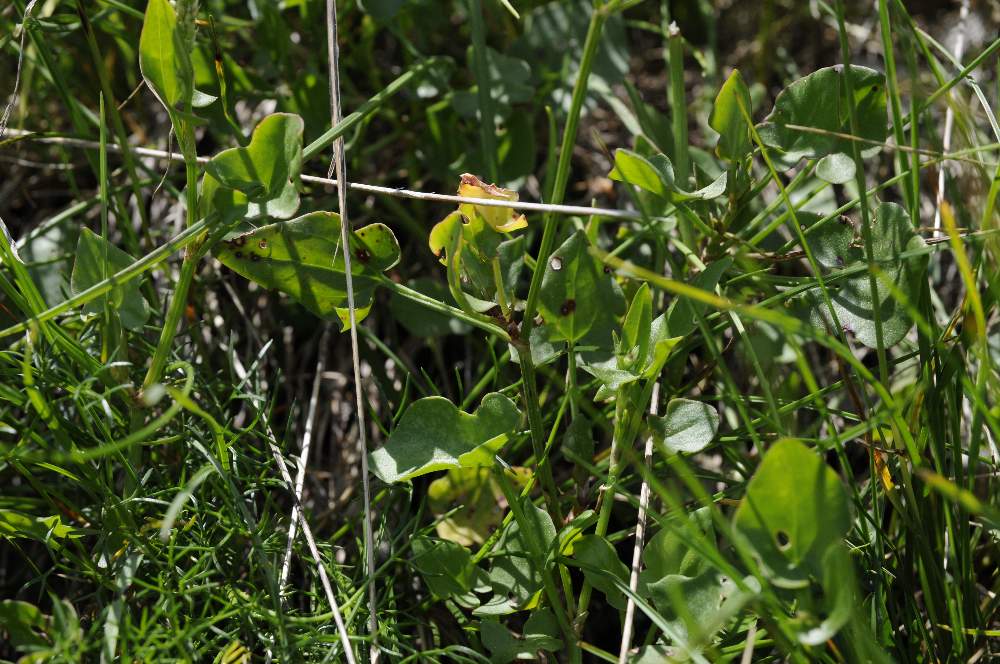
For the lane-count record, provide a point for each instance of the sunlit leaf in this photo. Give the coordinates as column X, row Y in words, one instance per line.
column 261, row 178
column 689, row 426
column 820, row 104
column 434, row 434
column 729, row 118
column 303, row 258
column 795, row 509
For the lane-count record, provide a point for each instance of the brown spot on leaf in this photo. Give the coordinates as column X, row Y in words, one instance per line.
column 568, row 307
column 238, row 254
column 363, row 255
column 262, row 244
column 240, row 241
column 254, row 257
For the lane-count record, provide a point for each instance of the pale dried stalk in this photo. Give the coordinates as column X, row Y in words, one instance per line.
column 340, row 166
column 640, row 534
column 300, row 475
column 949, row 121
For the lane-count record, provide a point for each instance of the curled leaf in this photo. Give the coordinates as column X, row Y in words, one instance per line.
column 501, row 219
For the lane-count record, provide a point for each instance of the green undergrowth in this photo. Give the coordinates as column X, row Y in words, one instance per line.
column 742, row 409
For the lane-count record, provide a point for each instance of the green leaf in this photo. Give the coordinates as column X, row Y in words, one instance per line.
column 637, row 326
column 96, row 260
column 656, row 175
column 15, row 525
column 794, row 510
column 820, row 102
column 303, row 258
column 596, row 551
column 540, row 633
column 683, row 314
column 23, row 623
column 435, row 435
column 478, row 497
column 697, row 607
column 159, row 63
column 836, row 168
column 635, row 169
column 661, row 343
column 263, row 176
column 729, row 118
column 666, row 553
column 446, row 567
column 689, row 426
column 567, row 297
column 837, row 245
column 381, row 10
column 525, row 548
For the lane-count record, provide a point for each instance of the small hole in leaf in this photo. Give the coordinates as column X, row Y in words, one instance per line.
column 568, row 307
column 262, row 244
column 607, row 270
column 240, row 241
column 556, row 263
column 783, row 540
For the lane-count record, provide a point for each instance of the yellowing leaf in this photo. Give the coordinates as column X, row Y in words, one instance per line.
column 501, row 219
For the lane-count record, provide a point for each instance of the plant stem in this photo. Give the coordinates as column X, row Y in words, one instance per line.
column 192, row 255
column 529, row 387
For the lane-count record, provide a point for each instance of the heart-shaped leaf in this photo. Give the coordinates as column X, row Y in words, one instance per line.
column 836, row 245
column 795, row 509
column 689, row 426
column 303, row 258
column 819, row 103
column 261, row 178
column 96, row 260
column 434, row 434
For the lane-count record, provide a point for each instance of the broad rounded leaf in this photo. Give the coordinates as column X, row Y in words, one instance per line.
column 689, row 426
column 794, row 510
column 836, row 168
column 541, row 632
column 303, row 258
column 264, row 174
column 434, row 434
column 446, row 567
column 852, row 297
column 819, row 103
